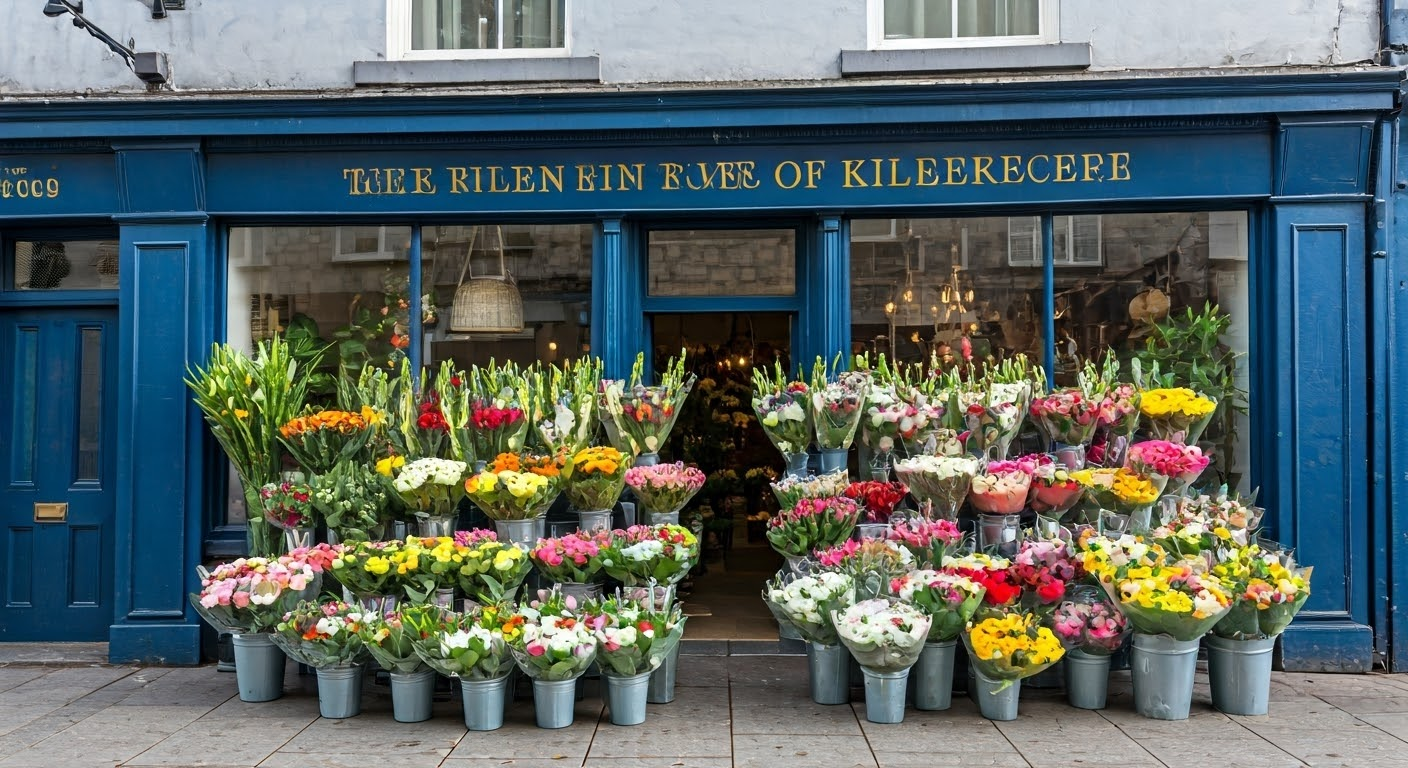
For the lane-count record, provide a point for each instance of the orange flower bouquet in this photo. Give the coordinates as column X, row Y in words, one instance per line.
column 596, row 478
column 320, row 441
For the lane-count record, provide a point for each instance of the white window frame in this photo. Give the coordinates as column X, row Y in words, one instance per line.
column 1029, row 241
column 398, row 40
column 1048, row 21
column 384, row 251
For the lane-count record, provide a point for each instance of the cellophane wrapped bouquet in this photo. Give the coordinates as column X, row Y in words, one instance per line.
column 1087, row 621
column 431, row 487
column 943, row 481
column 1065, row 416
column 1176, row 414
column 664, row 488
column 573, row 558
column 1044, row 568
column 369, row 567
column 883, row 634
column 323, row 635
column 784, row 410
column 354, row 501
column 1267, row 591
column 638, row 418
column 949, row 599
column 1221, row 517
column 837, row 404
column 1175, row 464
column 491, row 570
column 473, row 645
column 564, row 404
column 288, row 506
column 515, row 487
column 320, row 441
column 1002, row 488
column 877, row 500
column 812, row 524
column 807, row 602
column 929, row 541
column 992, row 416
column 1119, row 490
column 789, row 490
column 1054, row 491
column 1001, row 591
column 556, row 644
column 252, row 594
column 634, row 638
column 391, row 639
column 1011, row 646
column 430, row 564
column 596, row 477
column 1159, row 594
column 645, row 554
column 871, row 563
column 1119, row 417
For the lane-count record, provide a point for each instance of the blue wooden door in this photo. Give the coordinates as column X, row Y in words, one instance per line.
column 57, row 421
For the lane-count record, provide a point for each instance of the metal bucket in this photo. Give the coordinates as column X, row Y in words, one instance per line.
column 1240, row 674
column 1087, row 679
column 1052, row 677
column 796, row 464
column 625, row 697
column 833, row 460
column 663, row 518
column 340, row 692
column 259, row 667
column 994, row 701
column 579, row 591
column 884, row 695
column 484, row 702
column 554, row 702
column 435, row 526
column 662, row 680
column 1162, row 670
column 829, row 672
column 525, row 532
column 411, row 695
column 933, row 676
column 590, row 520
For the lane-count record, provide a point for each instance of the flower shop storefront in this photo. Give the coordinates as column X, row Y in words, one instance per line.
column 1053, row 220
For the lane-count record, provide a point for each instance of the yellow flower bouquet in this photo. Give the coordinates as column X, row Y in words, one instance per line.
column 514, row 487
column 1122, row 491
column 1176, row 414
column 1267, row 593
column 1173, row 598
column 491, row 570
column 1011, row 646
column 595, row 478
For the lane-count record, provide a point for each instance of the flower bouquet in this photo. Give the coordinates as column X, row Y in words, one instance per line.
column 1176, row 464
column 431, row 566
column 1001, row 489
column 872, row 564
column 664, row 489
column 1176, row 414
column 792, row 488
column 1087, row 622
column 993, row 574
column 353, row 500
column 992, row 418
column 515, row 487
column 595, row 478
column 470, row 646
column 896, row 414
column 492, row 570
column 564, row 405
column 1171, row 599
column 431, row 487
column 1123, row 492
column 498, row 410
column 321, row 441
column 1222, row 512
column 928, row 435
column 1044, row 568
column 365, row 568
column 1004, row 649
column 1065, row 416
column 323, row 635
column 783, row 408
column 289, row 507
column 807, row 602
column 391, row 639
column 812, row 524
column 555, row 644
column 949, row 599
column 638, row 418
column 1054, row 491
column 884, row 635
column 252, row 594
column 642, row 554
column 1266, row 593
column 420, row 429
column 943, row 481
column 877, row 500
column 929, row 541
column 837, row 406
column 575, row 558
column 633, row 639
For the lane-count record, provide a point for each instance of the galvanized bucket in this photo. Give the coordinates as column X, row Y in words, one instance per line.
column 996, row 702
column 1162, row 670
column 1240, row 674
column 484, row 702
column 259, row 667
column 833, row 460
column 884, row 695
column 340, row 692
column 1087, row 679
column 590, row 520
column 625, row 697
column 662, row 680
column 412, row 695
column 933, row 676
column 829, row 668
column 525, row 532
column 554, row 702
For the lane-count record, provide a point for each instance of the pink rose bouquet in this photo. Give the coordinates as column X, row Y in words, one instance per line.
column 575, row 557
column 1092, row 626
column 1181, row 464
column 664, row 488
column 1065, row 416
column 929, row 541
column 813, row 524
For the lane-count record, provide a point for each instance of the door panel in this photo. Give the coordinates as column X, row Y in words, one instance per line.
column 56, row 445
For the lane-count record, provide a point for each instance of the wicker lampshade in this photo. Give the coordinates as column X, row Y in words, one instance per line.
column 487, row 303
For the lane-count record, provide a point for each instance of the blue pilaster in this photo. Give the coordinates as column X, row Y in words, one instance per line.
column 617, row 326
column 166, row 320
column 1393, row 266
column 830, row 299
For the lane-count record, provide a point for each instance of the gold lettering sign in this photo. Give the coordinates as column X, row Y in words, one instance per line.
column 23, row 183
column 884, row 172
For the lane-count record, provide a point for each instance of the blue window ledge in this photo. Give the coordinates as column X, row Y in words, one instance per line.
column 461, row 71
column 1025, row 58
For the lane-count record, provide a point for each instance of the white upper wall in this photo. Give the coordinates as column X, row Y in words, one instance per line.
column 270, row 45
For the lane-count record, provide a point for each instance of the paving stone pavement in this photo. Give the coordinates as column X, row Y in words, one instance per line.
column 729, row 711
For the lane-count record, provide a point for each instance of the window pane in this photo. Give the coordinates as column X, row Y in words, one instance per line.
column 1157, row 266
column 551, row 267
column 920, row 286
column 90, row 404
column 998, row 18
column 906, row 19
column 479, row 24
column 719, row 262
column 41, row 265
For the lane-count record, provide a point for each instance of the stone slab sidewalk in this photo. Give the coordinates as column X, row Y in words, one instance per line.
column 752, row 712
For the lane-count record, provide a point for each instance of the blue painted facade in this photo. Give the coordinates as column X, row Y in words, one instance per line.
column 1310, row 157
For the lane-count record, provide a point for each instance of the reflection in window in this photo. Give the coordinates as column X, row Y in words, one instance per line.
column 46, row 265
column 320, row 286
column 943, row 19
column 550, row 266
column 919, row 286
column 487, row 24
column 719, row 262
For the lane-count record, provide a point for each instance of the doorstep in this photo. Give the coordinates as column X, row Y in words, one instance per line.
column 54, row 654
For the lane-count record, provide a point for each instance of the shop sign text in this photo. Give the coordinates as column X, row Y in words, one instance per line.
column 24, row 183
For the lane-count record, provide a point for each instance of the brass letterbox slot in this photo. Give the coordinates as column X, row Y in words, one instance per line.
column 52, row 512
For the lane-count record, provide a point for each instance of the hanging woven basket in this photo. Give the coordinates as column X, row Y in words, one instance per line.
column 486, row 303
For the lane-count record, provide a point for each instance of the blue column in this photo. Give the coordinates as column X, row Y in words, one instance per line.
column 167, row 318
column 829, row 304
column 1392, row 266
column 617, row 325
